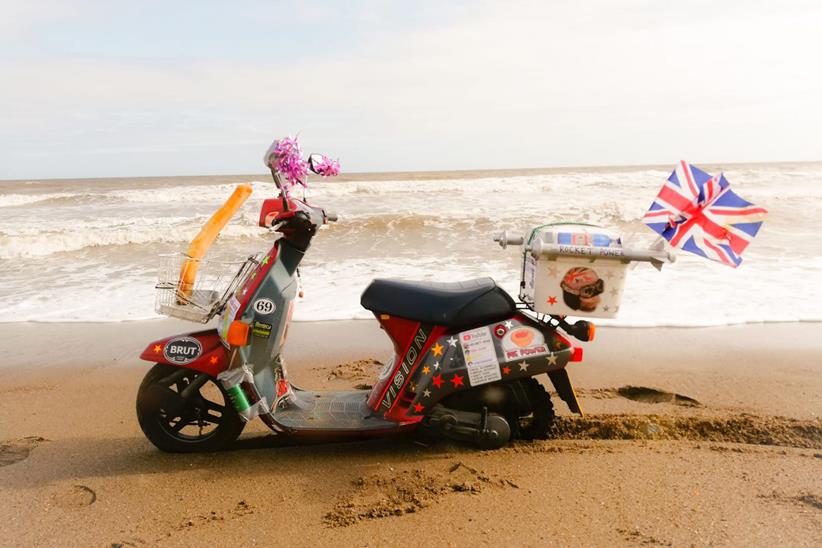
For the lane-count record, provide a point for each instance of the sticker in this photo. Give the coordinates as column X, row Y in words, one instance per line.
column 389, row 367
column 523, row 342
column 228, row 316
column 182, row 350
column 264, row 306
column 261, row 329
column 581, row 288
column 480, row 357
column 500, row 331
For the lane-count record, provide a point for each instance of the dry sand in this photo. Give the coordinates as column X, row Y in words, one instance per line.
column 693, row 437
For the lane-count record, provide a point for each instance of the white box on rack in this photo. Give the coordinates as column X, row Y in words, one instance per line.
column 574, row 270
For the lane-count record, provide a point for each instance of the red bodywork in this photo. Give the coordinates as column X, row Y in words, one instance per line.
column 412, row 341
column 408, row 352
column 212, row 361
column 273, row 210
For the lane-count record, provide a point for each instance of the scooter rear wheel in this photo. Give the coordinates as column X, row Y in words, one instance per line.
column 524, row 403
column 184, row 411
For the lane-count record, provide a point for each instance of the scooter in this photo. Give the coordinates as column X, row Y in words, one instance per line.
column 466, row 363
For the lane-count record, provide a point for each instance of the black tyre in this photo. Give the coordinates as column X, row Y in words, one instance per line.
column 184, row 411
column 524, row 403
column 536, row 422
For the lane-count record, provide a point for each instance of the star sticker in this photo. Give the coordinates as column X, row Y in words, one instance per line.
column 437, row 381
column 253, row 275
column 523, row 365
column 418, row 408
column 436, row 365
column 614, row 291
column 412, row 386
column 552, row 270
column 506, row 370
column 426, row 393
column 452, row 341
column 508, row 324
column 437, row 349
column 245, row 290
column 457, row 380
column 213, row 360
column 607, row 275
column 552, row 360
column 265, row 260
column 616, row 309
column 552, row 300
column 157, row 348
column 606, row 308
column 425, row 370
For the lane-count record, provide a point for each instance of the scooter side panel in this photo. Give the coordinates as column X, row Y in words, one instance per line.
column 411, row 340
column 516, row 348
column 202, row 351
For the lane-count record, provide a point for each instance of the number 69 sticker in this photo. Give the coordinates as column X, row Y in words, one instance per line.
column 264, row 306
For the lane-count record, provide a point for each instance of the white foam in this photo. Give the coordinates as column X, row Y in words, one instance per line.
column 80, row 260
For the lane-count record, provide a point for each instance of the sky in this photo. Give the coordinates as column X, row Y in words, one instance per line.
column 94, row 89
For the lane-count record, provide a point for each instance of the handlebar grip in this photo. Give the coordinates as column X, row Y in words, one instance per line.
column 504, row 239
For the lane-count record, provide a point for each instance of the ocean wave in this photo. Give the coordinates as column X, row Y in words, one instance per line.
column 34, row 242
column 13, row 200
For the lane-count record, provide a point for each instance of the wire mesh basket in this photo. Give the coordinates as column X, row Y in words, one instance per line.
column 214, row 283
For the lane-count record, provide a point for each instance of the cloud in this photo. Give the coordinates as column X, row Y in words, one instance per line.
column 537, row 84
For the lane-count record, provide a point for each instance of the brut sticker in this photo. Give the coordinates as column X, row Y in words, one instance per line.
column 264, row 306
column 182, row 350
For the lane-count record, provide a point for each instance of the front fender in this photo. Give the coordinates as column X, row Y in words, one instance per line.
column 202, row 351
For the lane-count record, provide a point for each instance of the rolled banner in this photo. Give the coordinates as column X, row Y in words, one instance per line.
column 200, row 244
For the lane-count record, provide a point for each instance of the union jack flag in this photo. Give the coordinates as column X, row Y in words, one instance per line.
column 701, row 214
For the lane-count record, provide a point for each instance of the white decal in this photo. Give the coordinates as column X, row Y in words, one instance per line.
column 264, row 306
column 228, row 316
column 480, row 356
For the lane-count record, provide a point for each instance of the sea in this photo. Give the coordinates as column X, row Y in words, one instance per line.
column 89, row 250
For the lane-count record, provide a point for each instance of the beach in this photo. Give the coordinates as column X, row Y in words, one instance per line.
column 692, row 436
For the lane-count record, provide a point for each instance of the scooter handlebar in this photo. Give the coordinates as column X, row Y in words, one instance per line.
column 504, row 239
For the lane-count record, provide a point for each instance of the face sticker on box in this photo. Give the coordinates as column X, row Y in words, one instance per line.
column 264, row 306
column 182, row 350
column 523, row 342
column 581, row 288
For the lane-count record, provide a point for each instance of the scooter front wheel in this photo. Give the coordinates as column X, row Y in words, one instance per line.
column 184, row 411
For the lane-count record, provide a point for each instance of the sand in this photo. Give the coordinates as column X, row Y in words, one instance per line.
column 692, row 437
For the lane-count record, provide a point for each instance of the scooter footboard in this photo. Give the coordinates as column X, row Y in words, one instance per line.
column 202, row 351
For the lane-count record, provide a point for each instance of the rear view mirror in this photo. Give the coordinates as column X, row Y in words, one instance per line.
column 323, row 165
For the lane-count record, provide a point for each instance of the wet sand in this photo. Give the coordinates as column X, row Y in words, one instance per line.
column 692, row 437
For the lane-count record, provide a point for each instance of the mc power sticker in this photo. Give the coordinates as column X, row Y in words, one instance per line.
column 264, row 306
column 523, row 342
column 480, row 356
column 182, row 350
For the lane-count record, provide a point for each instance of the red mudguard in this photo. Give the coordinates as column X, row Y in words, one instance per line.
column 202, row 351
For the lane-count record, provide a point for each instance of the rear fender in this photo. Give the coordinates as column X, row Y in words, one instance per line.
column 201, row 351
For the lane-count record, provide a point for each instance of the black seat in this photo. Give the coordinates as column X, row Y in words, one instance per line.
column 458, row 304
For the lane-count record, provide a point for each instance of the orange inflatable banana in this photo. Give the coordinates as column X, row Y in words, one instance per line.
column 200, row 244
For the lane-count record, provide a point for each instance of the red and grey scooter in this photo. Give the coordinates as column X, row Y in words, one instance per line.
column 466, row 361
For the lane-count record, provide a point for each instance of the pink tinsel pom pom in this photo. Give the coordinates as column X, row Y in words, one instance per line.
column 326, row 167
column 289, row 160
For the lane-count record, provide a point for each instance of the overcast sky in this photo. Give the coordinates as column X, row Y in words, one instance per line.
column 91, row 89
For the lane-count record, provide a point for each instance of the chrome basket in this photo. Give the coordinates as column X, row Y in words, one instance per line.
column 215, row 283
